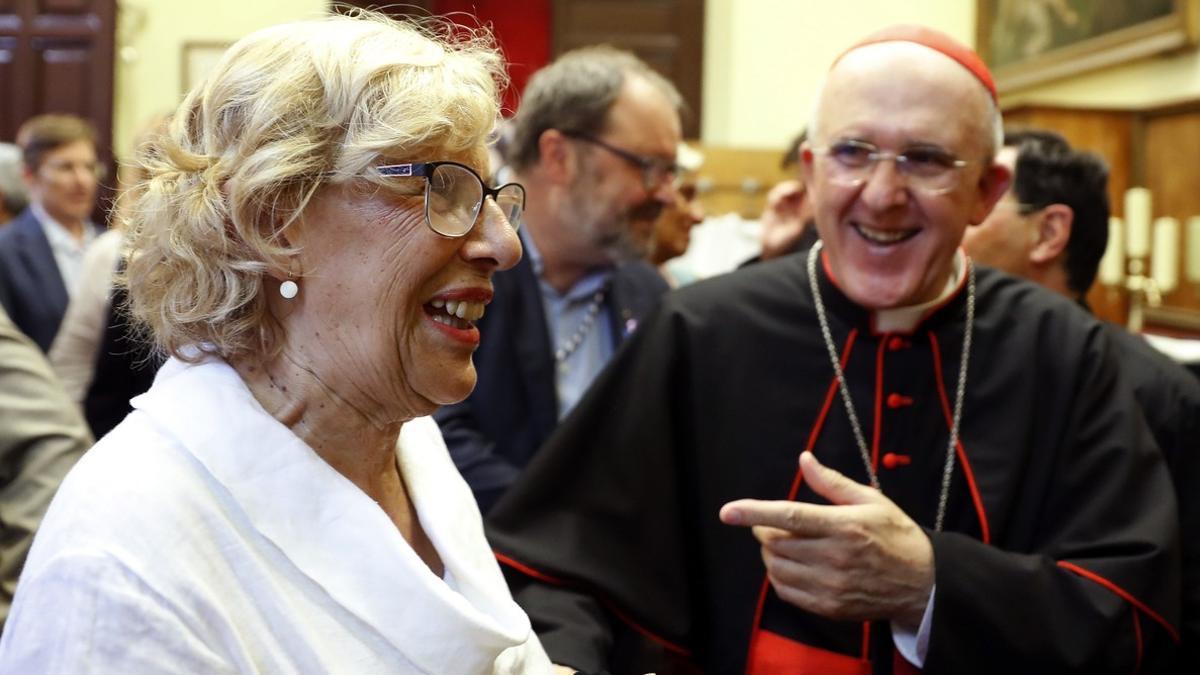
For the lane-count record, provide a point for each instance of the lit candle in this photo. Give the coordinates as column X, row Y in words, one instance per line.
column 1137, row 218
column 1164, row 266
column 1112, row 265
column 1193, row 249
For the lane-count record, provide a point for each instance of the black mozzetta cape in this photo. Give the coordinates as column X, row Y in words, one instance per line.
column 1060, row 552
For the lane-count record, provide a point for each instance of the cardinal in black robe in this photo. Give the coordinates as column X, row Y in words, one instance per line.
column 1059, row 550
column 869, row 458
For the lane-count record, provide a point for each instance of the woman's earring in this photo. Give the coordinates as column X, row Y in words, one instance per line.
column 289, row 289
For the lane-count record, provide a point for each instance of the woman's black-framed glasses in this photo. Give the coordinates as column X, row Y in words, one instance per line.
column 454, row 195
column 654, row 170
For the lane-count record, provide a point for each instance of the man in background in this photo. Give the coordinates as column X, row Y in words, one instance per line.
column 1052, row 228
column 673, row 230
column 594, row 145
column 787, row 219
column 41, row 251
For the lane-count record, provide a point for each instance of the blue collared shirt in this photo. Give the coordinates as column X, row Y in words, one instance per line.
column 565, row 313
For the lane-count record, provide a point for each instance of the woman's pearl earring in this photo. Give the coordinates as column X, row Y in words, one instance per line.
column 289, row 289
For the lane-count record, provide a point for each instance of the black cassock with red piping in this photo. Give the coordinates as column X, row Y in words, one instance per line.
column 1059, row 551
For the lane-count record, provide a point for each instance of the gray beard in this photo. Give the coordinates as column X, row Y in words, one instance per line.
column 614, row 235
column 622, row 246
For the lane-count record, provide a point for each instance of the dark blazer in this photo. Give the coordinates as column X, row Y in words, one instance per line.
column 31, row 288
column 493, row 434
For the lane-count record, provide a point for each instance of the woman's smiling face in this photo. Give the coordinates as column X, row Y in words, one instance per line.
column 378, row 287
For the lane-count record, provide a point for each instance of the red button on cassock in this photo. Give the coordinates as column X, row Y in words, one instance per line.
column 898, row 343
column 891, row 460
column 898, row 400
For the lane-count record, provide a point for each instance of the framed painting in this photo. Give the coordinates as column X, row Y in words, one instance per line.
column 197, row 60
column 1027, row 42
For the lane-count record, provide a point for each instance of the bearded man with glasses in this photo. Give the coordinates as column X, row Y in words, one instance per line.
column 41, row 250
column 871, row 458
column 594, row 142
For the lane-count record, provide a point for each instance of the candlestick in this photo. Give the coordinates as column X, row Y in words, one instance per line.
column 1137, row 220
column 1112, row 265
column 1164, row 268
column 1193, row 249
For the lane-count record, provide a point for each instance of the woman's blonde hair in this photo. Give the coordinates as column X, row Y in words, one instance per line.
column 287, row 109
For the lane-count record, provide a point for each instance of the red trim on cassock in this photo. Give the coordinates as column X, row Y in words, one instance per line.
column 1137, row 633
column 878, row 405
column 1124, row 594
column 777, row 655
column 820, row 423
column 798, row 481
column 984, row 530
column 828, row 269
column 527, row 570
column 866, row 647
column 901, row 665
column 612, row 607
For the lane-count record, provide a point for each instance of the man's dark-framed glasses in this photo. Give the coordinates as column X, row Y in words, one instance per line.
column 654, row 170
column 454, row 195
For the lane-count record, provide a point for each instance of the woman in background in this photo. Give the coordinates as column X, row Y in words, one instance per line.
column 311, row 245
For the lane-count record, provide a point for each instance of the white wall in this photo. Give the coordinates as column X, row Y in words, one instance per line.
column 150, row 39
column 763, row 59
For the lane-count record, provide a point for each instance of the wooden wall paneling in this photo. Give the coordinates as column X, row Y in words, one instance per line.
column 1109, row 133
column 667, row 34
column 15, row 103
column 736, row 180
column 9, row 112
column 1172, row 150
column 59, row 8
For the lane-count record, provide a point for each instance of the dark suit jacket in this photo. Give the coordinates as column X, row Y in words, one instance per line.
column 31, row 288
column 493, row 434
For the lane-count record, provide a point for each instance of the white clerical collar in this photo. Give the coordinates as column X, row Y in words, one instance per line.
column 904, row 319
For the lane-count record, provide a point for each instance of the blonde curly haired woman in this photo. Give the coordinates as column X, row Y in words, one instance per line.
column 311, row 245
